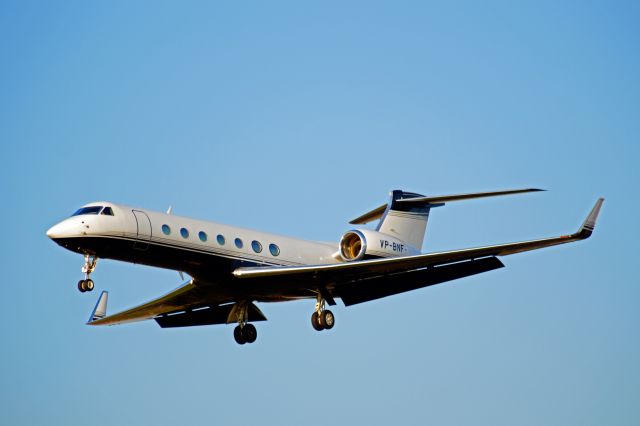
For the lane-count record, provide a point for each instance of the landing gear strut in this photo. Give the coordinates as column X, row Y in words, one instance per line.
column 90, row 262
column 244, row 332
column 322, row 319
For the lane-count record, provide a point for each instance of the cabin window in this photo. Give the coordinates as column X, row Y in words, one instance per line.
column 256, row 246
column 274, row 249
column 107, row 211
column 166, row 230
column 220, row 239
column 238, row 242
column 87, row 210
column 184, row 232
column 203, row 236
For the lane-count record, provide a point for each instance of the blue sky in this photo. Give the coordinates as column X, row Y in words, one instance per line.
column 295, row 118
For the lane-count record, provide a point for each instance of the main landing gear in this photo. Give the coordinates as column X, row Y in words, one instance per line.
column 322, row 319
column 90, row 262
column 244, row 331
column 245, row 334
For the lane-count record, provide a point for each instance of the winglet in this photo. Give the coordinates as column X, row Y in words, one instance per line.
column 590, row 222
column 100, row 310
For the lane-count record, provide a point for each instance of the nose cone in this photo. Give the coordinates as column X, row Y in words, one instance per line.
column 63, row 229
column 54, row 231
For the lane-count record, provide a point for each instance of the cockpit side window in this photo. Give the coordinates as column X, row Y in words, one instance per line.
column 88, row 210
column 108, row 211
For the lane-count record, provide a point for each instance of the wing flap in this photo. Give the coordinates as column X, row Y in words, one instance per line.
column 388, row 285
column 207, row 316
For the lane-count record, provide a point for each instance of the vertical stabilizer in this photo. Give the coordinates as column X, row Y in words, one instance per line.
column 408, row 222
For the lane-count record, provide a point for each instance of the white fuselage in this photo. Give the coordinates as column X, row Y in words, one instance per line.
column 142, row 228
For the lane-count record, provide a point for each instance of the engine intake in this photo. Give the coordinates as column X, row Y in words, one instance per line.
column 353, row 246
column 368, row 244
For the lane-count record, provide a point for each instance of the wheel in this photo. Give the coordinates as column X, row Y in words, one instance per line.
column 88, row 284
column 250, row 333
column 315, row 322
column 327, row 319
column 81, row 286
column 239, row 335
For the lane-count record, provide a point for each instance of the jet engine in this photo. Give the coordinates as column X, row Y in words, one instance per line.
column 367, row 244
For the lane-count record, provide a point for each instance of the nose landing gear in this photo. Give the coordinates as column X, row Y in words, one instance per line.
column 322, row 319
column 90, row 262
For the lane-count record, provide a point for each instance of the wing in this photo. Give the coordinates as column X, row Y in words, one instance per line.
column 338, row 275
column 184, row 297
column 187, row 305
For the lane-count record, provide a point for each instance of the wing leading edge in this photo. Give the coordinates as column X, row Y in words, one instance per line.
column 370, row 268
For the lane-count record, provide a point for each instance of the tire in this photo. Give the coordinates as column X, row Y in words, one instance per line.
column 239, row 335
column 89, row 284
column 327, row 319
column 315, row 322
column 250, row 333
column 81, row 286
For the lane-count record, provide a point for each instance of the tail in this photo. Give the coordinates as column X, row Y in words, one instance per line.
column 406, row 215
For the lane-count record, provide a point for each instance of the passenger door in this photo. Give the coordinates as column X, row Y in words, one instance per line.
column 143, row 230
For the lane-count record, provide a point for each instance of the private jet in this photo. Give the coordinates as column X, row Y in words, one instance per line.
column 232, row 268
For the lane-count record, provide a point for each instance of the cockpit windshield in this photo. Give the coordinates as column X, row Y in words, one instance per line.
column 87, row 210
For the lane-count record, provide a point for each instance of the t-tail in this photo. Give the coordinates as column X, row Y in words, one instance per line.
column 405, row 216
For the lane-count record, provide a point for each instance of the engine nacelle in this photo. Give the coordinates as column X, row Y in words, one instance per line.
column 366, row 244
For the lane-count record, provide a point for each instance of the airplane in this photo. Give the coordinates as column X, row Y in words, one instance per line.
column 232, row 268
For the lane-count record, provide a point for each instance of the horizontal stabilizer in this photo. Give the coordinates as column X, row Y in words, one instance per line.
column 458, row 197
column 415, row 199
column 370, row 216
